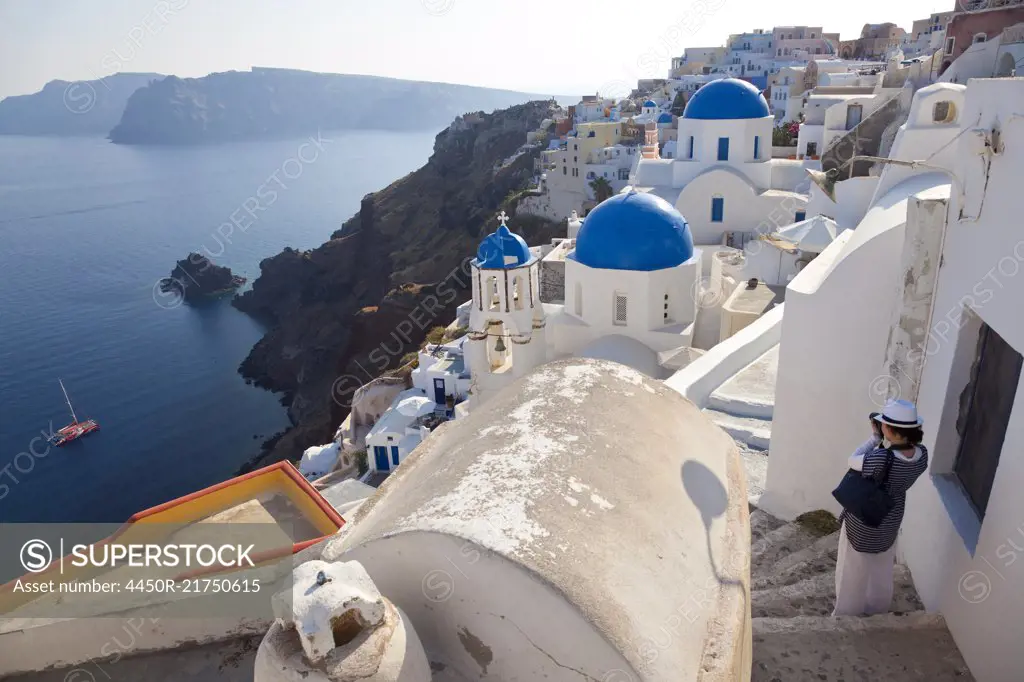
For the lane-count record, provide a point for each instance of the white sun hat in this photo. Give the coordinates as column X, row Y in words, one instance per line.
column 901, row 413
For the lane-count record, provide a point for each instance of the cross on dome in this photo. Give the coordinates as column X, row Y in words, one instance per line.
column 503, row 218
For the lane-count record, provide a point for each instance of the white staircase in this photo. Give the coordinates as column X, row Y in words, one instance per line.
column 792, row 593
column 792, row 575
column 742, row 407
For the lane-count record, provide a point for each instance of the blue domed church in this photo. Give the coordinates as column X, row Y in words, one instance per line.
column 723, row 177
column 631, row 291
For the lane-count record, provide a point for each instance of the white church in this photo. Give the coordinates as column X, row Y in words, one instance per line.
column 629, row 283
column 723, row 177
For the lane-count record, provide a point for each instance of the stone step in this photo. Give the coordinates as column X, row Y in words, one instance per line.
column 915, row 647
column 762, row 522
column 751, row 431
column 741, row 407
column 755, row 465
column 818, row 557
column 751, row 391
column 775, row 544
column 815, row 596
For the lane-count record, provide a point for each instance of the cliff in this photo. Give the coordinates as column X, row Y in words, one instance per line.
column 241, row 105
column 71, row 108
column 343, row 313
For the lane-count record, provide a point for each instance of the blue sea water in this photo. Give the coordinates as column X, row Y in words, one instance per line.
column 87, row 228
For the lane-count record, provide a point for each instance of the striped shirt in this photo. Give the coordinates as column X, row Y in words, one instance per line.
column 902, row 475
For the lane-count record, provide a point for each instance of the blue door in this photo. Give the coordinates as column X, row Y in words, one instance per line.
column 394, row 455
column 723, row 149
column 380, row 456
column 717, row 209
column 439, row 391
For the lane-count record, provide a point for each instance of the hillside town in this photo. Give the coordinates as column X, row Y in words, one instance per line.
column 617, row 461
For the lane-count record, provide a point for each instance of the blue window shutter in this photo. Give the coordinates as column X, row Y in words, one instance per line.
column 757, row 146
column 723, row 149
column 691, row 146
column 800, row 215
column 717, row 209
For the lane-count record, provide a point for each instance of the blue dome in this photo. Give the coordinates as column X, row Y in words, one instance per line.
column 502, row 249
column 650, row 103
column 665, row 118
column 634, row 231
column 729, row 98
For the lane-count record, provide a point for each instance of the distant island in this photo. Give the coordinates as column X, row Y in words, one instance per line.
column 196, row 277
column 266, row 102
column 72, row 107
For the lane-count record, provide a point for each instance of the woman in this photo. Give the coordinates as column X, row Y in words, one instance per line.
column 866, row 554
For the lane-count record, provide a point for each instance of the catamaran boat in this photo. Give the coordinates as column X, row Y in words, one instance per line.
column 76, row 429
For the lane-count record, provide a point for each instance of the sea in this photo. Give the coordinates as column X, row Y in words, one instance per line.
column 87, row 231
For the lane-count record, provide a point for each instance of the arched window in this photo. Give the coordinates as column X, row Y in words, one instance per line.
column 517, row 292
column 491, row 292
column 1007, row 65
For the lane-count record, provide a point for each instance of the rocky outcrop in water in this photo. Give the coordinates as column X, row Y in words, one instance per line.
column 343, row 313
column 262, row 103
column 197, row 277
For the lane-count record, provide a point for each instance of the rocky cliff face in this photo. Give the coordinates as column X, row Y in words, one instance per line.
column 72, row 108
column 240, row 105
column 345, row 312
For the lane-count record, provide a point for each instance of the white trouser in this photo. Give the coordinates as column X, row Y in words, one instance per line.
column 863, row 581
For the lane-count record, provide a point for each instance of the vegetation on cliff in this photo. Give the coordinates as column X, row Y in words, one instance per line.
column 240, row 105
column 344, row 313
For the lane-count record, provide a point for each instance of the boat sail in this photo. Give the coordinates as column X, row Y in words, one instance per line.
column 76, row 429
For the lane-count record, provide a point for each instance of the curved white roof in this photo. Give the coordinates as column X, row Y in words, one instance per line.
column 625, row 351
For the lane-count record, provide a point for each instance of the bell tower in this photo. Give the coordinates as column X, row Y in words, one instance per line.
column 506, row 323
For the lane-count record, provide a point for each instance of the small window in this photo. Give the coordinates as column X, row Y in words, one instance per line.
column 812, row 149
column 565, row 170
column 717, row 209
column 757, row 147
column 944, row 112
column 619, row 313
column 950, row 42
column 979, row 38
column 723, row 149
column 985, row 407
column 691, row 146
column 666, row 317
column 800, row 216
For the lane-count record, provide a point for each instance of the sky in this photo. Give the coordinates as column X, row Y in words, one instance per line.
column 536, row 46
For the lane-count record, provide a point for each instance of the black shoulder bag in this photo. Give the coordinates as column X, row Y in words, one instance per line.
column 866, row 496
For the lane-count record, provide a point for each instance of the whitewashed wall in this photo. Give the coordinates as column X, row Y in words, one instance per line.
column 980, row 593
